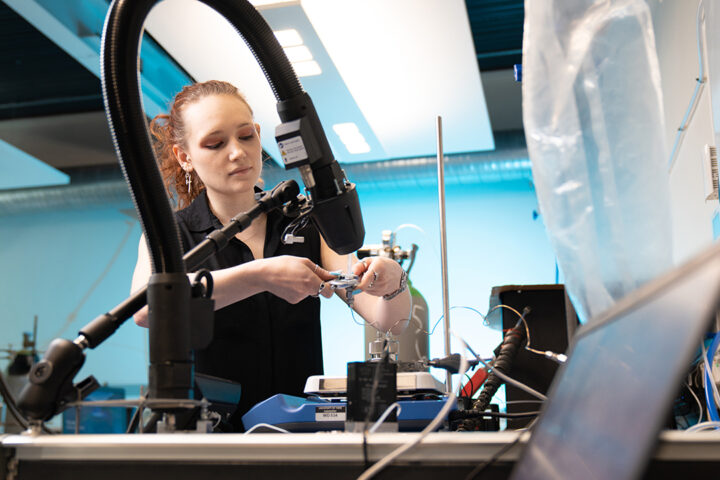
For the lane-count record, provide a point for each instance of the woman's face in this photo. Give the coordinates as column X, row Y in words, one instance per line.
column 222, row 145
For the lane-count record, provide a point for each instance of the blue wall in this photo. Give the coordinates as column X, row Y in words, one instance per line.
column 492, row 240
column 67, row 267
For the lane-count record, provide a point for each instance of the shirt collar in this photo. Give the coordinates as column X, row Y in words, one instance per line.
column 199, row 217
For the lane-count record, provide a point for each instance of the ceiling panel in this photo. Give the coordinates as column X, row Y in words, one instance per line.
column 48, row 95
column 497, row 27
column 38, row 77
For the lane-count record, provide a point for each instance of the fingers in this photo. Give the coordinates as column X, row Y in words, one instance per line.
column 324, row 275
column 380, row 275
column 141, row 317
column 370, row 278
column 324, row 289
column 361, row 267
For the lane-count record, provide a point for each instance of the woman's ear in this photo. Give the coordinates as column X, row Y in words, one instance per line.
column 257, row 128
column 182, row 158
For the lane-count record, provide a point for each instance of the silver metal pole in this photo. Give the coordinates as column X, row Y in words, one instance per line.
column 443, row 247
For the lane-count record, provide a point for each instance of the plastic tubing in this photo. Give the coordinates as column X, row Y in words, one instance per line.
column 709, row 397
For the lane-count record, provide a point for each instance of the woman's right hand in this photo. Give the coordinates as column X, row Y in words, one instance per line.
column 141, row 317
column 294, row 278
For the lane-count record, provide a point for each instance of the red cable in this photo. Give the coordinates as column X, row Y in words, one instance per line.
column 474, row 384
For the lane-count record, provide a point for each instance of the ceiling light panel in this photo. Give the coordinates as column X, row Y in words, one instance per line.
column 288, row 37
column 405, row 62
column 306, row 69
column 350, row 135
column 298, row 53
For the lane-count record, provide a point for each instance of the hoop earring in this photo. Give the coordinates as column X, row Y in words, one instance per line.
column 188, row 181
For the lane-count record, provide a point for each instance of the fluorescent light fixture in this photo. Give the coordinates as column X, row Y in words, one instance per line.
column 346, row 130
column 307, row 69
column 288, row 37
column 300, row 53
column 358, row 147
column 352, row 138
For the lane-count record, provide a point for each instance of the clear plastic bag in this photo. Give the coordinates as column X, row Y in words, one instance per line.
column 594, row 124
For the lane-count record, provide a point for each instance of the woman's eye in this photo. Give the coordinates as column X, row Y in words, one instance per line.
column 214, row 146
column 248, row 137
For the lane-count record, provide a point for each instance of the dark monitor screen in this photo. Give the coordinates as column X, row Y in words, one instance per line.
column 610, row 400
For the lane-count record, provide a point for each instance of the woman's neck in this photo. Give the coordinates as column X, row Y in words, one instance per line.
column 225, row 207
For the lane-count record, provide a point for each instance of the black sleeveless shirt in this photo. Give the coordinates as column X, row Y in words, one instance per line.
column 263, row 342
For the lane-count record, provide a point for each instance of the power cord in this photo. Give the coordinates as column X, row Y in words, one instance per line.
column 382, row 463
column 373, row 392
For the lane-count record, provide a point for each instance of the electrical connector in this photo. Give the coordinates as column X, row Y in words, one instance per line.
column 556, row 357
column 289, row 239
column 450, row 363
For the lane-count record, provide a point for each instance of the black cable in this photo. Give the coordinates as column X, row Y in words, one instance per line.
column 151, row 425
column 13, row 409
column 206, row 289
column 135, row 420
column 503, row 363
column 472, row 387
column 365, row 451
column 476, row 414
column 373, row 392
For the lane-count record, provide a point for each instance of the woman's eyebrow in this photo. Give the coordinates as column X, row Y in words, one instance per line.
column 215, row 132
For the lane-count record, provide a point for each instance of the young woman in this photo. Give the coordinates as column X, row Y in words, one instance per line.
column 267, row 319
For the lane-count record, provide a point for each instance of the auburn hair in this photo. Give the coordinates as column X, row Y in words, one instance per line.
column 169, row 129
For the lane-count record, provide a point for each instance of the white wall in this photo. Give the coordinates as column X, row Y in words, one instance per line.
column 675, row 30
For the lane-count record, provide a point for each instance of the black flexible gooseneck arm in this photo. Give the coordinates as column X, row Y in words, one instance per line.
column 51, row 380
column 336, row 210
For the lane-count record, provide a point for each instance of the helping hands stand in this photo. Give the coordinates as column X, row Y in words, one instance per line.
column 51, row 379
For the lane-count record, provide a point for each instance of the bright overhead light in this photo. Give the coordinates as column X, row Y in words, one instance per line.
column 346, row 130
column 358, row 147
column 301, row 53
column 352, row 138
column 307, row 69
column 288, row 38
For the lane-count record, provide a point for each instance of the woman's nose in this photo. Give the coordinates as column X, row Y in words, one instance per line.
column 236, row 150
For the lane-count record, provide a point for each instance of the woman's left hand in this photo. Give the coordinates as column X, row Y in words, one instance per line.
column 378, row 275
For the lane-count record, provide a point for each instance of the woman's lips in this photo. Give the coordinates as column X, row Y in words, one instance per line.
column 240, row 171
